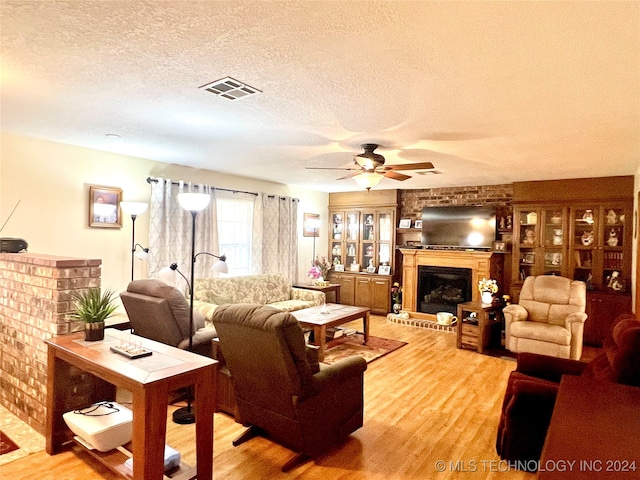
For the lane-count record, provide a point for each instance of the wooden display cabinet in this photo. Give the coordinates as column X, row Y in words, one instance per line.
column 362, row 239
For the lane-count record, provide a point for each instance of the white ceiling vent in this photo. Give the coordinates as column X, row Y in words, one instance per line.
column 230, row 88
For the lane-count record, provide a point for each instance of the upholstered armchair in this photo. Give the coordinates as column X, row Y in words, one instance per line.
column 549, row 318
column 532, row 388
column 281, row 390
column 160, row 312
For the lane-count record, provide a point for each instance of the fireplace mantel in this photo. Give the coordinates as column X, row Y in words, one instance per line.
column 482, row 264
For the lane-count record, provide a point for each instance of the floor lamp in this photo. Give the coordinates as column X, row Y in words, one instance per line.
column 194, row 203
column 134, row 209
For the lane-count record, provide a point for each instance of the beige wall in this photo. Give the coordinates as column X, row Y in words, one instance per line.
column 51, row 181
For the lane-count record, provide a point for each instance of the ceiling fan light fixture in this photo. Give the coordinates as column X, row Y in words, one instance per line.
column 368, row 180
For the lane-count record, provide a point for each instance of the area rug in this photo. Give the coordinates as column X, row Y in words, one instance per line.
column 25, row 439
column 6, row 444
column 350, row 345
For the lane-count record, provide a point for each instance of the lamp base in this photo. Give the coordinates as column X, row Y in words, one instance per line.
column 184, row 416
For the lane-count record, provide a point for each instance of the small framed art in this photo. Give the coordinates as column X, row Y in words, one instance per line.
column 311, row 224
column 498, row 246
column 405, row 223
column 338, row 267
column 104, row 207
column 418, row 224
column 384, row 269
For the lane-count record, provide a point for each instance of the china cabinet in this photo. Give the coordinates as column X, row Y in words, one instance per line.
column 361, row 240
column 591, row 242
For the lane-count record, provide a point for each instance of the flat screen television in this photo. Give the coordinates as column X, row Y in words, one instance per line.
column 464, row 227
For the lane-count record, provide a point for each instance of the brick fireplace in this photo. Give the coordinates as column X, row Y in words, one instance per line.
column 479, row 263
column 34, row 305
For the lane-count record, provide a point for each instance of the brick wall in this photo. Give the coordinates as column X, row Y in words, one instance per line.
column 34, row 303
column 412, row 201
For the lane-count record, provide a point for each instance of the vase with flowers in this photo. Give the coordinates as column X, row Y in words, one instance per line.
column 487, row 287
column 319, row 270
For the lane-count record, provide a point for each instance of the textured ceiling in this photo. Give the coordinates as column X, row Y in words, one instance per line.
column 489, row 92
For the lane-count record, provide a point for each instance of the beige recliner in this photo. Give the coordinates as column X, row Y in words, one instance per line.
column 549, row 320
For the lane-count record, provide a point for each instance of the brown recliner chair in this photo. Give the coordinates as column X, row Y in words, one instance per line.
column 281, row 390
column 532, row 388
column 160, row 312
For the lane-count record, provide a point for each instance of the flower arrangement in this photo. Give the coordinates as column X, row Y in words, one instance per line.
column 490, row 286
column 320, row 267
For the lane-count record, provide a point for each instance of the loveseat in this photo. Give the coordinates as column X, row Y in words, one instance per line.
column 273, row 290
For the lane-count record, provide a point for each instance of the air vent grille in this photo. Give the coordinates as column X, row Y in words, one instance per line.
column 230, row 88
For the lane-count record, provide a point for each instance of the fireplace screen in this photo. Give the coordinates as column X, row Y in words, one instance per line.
column 441, row 289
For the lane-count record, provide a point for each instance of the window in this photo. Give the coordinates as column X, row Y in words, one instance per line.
column 235, row 219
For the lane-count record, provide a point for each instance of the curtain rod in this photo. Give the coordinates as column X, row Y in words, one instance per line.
column 155, row 180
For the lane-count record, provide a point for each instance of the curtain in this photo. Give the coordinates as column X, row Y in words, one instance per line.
column 275, row 239
column 170, row 230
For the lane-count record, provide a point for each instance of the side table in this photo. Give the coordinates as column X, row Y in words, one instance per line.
column 476, row 333
column 332, row 287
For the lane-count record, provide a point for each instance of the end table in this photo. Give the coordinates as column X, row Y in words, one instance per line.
column 476, row 332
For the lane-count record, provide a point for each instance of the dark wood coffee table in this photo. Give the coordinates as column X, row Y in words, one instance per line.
column 335, row 315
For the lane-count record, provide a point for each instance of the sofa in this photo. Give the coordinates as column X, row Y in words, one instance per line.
column 272, row 290
column 532, row 388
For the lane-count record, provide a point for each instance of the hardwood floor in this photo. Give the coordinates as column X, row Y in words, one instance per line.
column 425, row 403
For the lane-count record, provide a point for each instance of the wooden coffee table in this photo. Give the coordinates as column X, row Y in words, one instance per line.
column 335, row 315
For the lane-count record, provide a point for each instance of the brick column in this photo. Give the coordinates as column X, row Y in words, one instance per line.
column 35, row 292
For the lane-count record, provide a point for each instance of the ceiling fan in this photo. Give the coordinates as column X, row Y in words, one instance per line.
column 370, row 168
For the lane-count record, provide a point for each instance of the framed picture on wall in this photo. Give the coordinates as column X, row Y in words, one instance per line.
column 311, row 225
column 104, row 207
column 405, row 223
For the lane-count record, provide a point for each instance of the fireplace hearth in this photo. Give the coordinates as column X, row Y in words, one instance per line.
column 441, row 289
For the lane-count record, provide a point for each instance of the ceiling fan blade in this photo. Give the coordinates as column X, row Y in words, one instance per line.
column 411, row 166
column 395, row 175
column 331, row 168
column 350, row 175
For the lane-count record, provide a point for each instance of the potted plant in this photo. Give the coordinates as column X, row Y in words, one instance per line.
column 93, row 307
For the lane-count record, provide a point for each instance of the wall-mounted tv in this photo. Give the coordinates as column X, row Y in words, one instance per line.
column 465, row 227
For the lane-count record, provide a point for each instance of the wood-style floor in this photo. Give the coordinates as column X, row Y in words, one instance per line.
column 431, row 411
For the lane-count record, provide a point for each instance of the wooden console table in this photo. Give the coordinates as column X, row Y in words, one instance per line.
column 332, row 287
column 596, row 425
column 74, row 364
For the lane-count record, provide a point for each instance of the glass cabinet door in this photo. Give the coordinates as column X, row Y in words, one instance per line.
column 613, row 239
column 385, row 228
column 528, row 235
column 352, row 241
column 368, row 242
column 553, row 241
column 584, row 223
column 336, row 239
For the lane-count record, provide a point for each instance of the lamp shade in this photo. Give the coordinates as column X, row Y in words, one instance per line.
column 368, row 179
column 220, row 266
column 168, row 275
column 134, row 208
column 142, row 254
column 194, row 202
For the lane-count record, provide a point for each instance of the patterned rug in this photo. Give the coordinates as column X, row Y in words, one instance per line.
column 6, row 444
column 352, row 345
column 25, row 439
